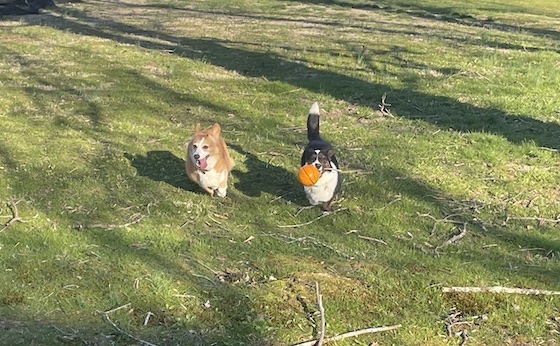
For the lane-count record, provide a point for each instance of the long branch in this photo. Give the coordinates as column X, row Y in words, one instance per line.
column 498, row 289
column 351, row 334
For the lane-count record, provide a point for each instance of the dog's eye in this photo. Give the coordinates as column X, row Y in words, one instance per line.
column 204, row 147
column 194, row 146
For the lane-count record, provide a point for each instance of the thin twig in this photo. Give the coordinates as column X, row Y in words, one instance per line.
column 464, row 337
column 444, row 220
column 372, row 239
column 188, row 258
column 147, row 319
column 113, row 226
column 541, row 220
column 321, row 313
column 305, row 240
column 207, row 278
column 128, row 224
column 116, row 309
column 316, row 219
column 351, row 334
column 384, row 107
column 144, row 342
column 498, row 289
column 70, row 336
column 455, row 237
column 388, row 204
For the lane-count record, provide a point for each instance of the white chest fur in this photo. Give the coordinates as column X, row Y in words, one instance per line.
column 324, row 189
column 211, row 178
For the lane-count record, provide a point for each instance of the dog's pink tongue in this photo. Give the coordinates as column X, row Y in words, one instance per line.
column 202, row 163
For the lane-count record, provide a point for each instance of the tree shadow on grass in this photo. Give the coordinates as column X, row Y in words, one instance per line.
column 164, row 166
column 264, row 177
column 456, row 115
column 443, row 14
column 412, row 104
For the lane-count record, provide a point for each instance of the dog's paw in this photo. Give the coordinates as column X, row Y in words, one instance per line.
column 221, row 192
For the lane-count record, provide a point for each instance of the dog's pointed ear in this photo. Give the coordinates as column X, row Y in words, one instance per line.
column 215, row 130
column 197, row 128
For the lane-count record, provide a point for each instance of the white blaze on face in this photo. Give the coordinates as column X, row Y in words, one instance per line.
column 200, row 153
column 316, row 163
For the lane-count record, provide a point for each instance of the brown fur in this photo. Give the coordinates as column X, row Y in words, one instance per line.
column 218, row 150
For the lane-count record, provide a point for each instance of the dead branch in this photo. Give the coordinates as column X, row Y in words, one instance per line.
column 321, row 313
column 498, row 289
column 108, row 319
column 446, row 219
column 464, row 337
column 316, row 219
column 541, row 220
column 455, row 237
column 15, row 215
column 351, row 334
column 384, row 107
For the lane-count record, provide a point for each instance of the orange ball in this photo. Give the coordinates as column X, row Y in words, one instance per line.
column 308, row 175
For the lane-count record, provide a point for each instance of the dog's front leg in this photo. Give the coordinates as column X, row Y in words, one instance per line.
column 209, row 190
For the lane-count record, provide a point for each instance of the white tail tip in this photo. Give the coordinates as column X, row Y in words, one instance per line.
column 314, row 108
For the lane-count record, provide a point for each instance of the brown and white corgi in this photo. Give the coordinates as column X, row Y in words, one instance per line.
column 208, row 162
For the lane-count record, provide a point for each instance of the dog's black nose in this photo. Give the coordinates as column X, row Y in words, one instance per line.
column 318, row 165
column 196, row 156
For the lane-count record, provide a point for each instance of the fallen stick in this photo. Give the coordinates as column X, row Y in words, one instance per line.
column 541, row 220
column 446, row 219
column 321, row 313
column 15, row 215
column 117, row 309
column 498, row 289
column 372, row 239
column 316, row 219
column 307, row 239
column 351, row 334
column 108, row 319
column 454, row 238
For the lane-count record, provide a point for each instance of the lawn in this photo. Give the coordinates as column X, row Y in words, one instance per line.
column 446, row 119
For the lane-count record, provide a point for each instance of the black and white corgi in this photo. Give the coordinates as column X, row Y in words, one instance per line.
column 320, row 153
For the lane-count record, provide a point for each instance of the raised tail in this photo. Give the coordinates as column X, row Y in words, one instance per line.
column 313, row 123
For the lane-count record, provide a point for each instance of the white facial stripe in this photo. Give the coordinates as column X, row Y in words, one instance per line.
column 317, row 157
column 199, row 149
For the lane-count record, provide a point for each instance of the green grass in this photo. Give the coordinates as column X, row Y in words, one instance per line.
column 100, row 98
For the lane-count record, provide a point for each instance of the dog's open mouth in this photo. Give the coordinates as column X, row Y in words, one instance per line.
column 202, row 163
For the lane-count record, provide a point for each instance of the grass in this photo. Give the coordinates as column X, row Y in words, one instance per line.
column 99, row 99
